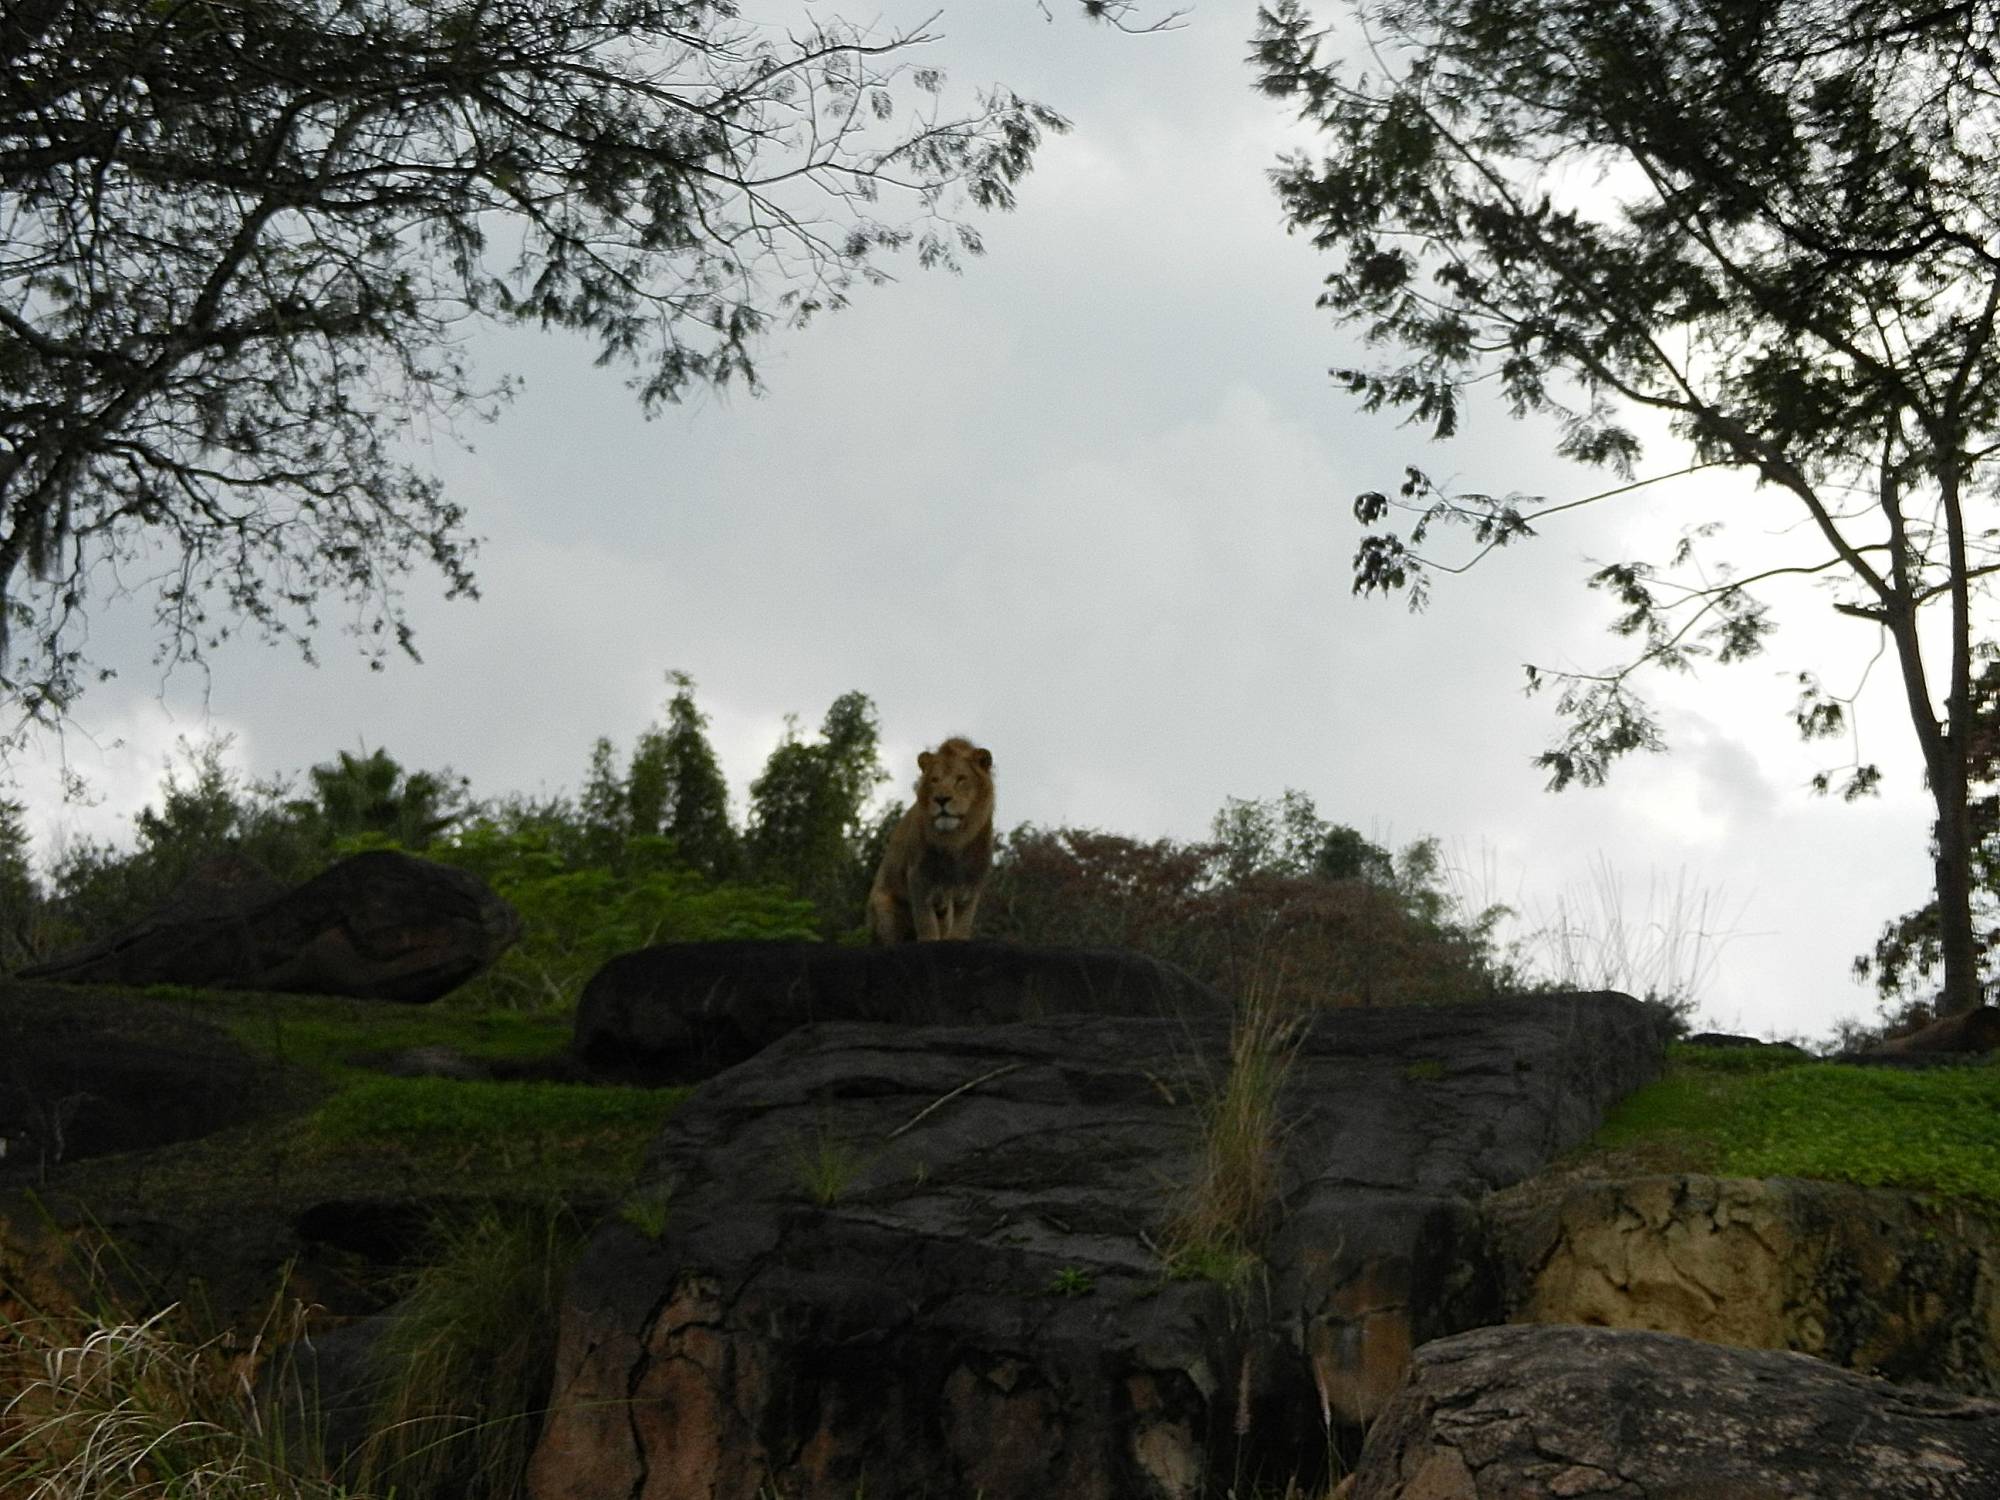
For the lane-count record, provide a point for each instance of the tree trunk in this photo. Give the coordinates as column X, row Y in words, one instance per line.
column 1956, row 942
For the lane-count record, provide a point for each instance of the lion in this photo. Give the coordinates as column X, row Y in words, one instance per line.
column 928, row 885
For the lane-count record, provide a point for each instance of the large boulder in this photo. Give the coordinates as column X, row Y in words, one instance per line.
column 83, row 1076
column 936, row 1260
column 1880, row 1281
column 1509, row 1413
column 682, row 1011
column 1969, row 1031
column 379, row 926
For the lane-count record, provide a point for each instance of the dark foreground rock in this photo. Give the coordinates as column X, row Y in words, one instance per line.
column 84, row 1076
column 1511, row 1413
column 1884, row 1282
column 376, row 926
column 683, row 1011
column 933, row 1261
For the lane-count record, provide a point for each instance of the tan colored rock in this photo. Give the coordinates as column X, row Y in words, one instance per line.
column 1873, row 1280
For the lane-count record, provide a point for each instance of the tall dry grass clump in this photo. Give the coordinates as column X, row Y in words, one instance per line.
column 1665, row 949
column 138, row 1409
column 464, row 1367
column 1216, row 1229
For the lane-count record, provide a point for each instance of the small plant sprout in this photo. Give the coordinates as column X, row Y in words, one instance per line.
column 1072, row 1281
column 646, row 1211
column 824, row 1165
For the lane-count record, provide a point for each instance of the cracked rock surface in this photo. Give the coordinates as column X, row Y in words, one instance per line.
column 905, row 1260
column 1510, row 1413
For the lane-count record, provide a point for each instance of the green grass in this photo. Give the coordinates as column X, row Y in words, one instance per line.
column 824, row 1165
column 330, row 1035
column 464, row 1365
column 1749, row 1113
column 429, row 1113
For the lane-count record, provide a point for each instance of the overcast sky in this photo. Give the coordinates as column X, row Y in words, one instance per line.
column 1088, row 503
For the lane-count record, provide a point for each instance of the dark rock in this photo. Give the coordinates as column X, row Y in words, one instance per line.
column 326, row 1392
column 930, row 1260
column 378, row 926
column 683, row 1011
column 1729, row 1039
column 1975, row 1030
column 1884, row 1282
column 1507, row 1413
column 83, row 1077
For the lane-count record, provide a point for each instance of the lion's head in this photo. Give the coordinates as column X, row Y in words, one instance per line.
column 955, row 792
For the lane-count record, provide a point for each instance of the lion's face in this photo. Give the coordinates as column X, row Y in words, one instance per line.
column 955, row 791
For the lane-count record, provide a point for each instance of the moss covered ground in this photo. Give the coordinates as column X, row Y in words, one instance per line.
column 1761, row 1112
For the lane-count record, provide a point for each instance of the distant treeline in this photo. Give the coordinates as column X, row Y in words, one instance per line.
column 647, row 851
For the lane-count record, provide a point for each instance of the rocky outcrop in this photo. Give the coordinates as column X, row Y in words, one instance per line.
column 683, row 1011
column 935, row 1260
column 82, row 1077
column 1976, row 1030
column 1508, row 1413
column 97, row 1083
column 1874, row 1280
column 377, row 926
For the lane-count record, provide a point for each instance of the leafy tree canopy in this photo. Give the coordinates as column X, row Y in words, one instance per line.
column 241, row 240
column 372, row 794
column 1775, row 224
column 808, row 824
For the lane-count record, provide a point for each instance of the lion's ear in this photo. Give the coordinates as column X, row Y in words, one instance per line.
column 924, row 758
column 985, row 759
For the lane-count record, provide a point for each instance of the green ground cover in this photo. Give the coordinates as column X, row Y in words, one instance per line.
column 335, row 1037
column 1758, row 1113
column 338, row 1126
column 516, row 1125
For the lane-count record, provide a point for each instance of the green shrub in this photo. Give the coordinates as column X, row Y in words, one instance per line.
column 575, row 918
column 1387, row 935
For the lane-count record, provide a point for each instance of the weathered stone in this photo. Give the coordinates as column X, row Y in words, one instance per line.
column 82, row 1077
column 683, row 1011
column 1511, row 1413
column 1872, row 1279
column 377, row 926
column 1735, row 1042
column 930, row 1260
column 1975, row 1030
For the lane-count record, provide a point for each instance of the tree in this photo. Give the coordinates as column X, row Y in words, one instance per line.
column 676, row 789
column 602, row 806
column 240, row 241
column 1909, row 951
column 807, row 825
column 360, row 794
column 206, row 810
column 1286, row 836
column 1775, row 225
column 20, row 895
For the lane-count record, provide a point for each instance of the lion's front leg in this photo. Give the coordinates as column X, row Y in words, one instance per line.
column 961, row 916
column 924, row 912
